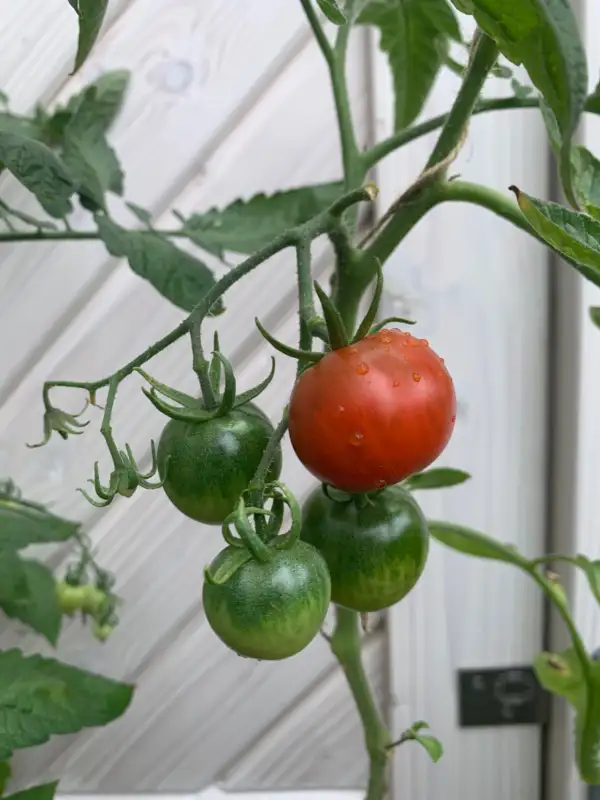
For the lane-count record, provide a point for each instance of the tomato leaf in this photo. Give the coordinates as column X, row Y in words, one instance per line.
column 245, row 226
column 13, row 581
column 38, row 607
column 40, row 697
column 23, row 524
column 585, row 167
column 88, row 156
column 332, row 11
column 544, row 37
column 436, row 478
column 178, row 276
column 586, row 180
column 91, row 15
column 473, row 543
column 431, row 744
column 595, row 315
column 414, row 36
column 40, row 170
column 572, row 234
column 44, row 791
column 591, row 569
column 5, row 775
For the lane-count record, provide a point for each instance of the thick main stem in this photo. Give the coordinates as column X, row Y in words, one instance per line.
column 345, row 644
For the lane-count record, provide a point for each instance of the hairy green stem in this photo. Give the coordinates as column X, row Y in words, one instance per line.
column 501, row 205
column 483, row 56
column 346, row 646
column 69, row 235
column 384, row 148
column 306, row 308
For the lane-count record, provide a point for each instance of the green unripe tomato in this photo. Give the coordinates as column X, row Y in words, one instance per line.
column 375, row 553
column 269, row 610
column 211, row 463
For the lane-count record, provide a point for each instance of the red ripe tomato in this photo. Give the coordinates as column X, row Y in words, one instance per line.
column 368, row 415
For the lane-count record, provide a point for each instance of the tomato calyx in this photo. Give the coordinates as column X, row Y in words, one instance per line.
column 331, row 329
column 360, row 499
column 125, row 477
column 248, row 545
column 193, row 409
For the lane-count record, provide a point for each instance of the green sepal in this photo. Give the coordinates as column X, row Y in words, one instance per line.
column 180, row 397
column 385, row 322
column 285, row 349
column 227, row 399
column 288, row 539
column 214, row 370
column 246, row 397
column 235, row 558
column 338, row 336
column 365, row 326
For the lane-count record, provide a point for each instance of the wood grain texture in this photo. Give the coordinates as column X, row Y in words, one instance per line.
column 197, row 69
column 478, row 290
column 319, row 739
column 163, row 642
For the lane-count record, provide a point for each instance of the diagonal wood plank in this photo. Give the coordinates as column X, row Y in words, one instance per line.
column 319, row 743
column 195, row 68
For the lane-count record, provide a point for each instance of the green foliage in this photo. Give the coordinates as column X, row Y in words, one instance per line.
column 178, row 276
column 44, row 791
column 595, row 315
column 572, row 234
column 332, row 11
column 23, row 523
column 41, row 697
column 432, row 745
column 245, row 226
column 415, row 35
column 40, row 170
column 543, row 36
column 473, row 543
column 33, row 600
column 91, row 15
column 436, row 478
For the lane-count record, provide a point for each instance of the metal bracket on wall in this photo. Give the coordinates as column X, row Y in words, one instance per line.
column 501, row 696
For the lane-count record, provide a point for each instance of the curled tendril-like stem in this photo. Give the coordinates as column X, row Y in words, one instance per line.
column 124, row 479
column 63, row 423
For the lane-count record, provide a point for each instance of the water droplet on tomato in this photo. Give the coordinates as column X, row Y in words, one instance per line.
column 454, row 418
column 396, row 383
column 356, row 439
column 381, row 483
column 362, row 369
column 341, row 408
column 416, row 376
column 352, row 350
column 385, row 337
column 424, row 342
column 442, row 360
column 406, row 358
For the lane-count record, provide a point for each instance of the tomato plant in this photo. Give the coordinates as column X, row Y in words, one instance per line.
column 372, row 406
column 207, row 465
column 375, row 548
column 370, row 414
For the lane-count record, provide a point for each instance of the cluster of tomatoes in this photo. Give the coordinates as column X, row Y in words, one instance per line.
column 361, row 420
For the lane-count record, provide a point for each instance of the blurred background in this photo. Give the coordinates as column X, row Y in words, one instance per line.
column 229, row 98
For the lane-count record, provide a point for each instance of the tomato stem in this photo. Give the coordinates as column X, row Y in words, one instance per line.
column 346, row 646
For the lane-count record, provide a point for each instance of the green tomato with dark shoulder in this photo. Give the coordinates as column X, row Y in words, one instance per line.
column 375, row 550
column 207, row 465
column 269, row 609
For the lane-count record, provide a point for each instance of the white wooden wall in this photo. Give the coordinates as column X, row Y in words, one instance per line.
column 230, row 97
